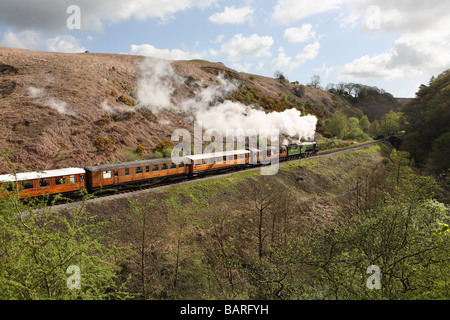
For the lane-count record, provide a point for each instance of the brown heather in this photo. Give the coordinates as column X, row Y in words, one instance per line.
column 42, row 138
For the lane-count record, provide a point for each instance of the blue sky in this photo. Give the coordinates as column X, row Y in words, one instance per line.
column 394, row 45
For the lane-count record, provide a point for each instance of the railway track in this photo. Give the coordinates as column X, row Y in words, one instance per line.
column 140, row 189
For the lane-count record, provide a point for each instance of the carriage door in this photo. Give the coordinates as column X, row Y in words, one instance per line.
column 116, row 176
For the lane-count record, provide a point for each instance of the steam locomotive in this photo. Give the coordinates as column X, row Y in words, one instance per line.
column 144, row 172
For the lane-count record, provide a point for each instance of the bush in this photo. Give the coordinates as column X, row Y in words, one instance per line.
column 104, row 144
column 140, row 149
column 166, row 144
column 126, row 100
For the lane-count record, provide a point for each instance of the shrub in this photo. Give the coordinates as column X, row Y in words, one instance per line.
column 166, row 144
column 105, row 119
column 140, row 149
column 147, row 114
column 126, row 100
column 104, row 144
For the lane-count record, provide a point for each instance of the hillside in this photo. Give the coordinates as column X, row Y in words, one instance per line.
column 59, row 110
column 427, row 135
column 215, row 224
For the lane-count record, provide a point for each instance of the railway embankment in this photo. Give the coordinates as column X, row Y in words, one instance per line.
column 325, row 188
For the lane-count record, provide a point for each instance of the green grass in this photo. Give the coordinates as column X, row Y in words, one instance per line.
column 371, row 149
column 292, row 166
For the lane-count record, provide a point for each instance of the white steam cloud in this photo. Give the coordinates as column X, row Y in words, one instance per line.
column 156, row 91
column 155, row 87
column 105, row 106
column 35, row 93
column 54, row 103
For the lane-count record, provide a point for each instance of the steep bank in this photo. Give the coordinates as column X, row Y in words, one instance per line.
column 60, row 110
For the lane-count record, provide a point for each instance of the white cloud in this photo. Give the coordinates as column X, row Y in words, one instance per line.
column 288, row 11
column 174, row 54
column 423, row 46
column 287, row 64
column 51, row 15
column 33, row 40
column 232, row 15
column 410, row 57
column 64, row 43
column 298, row 35
column 398, row 16
column 371, row 67
column 240, row 47
column 24, row 40
column 242, row 67
column 218, row 39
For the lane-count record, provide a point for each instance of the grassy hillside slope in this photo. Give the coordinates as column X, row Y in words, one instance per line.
column 53, row 114
column 205, row 240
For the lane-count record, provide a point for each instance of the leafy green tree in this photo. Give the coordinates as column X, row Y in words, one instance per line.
column 354, row 130
column 364, row 124
column 40, row 248
column 428, row 123
column 374, row 128
column 338, row 124
column 398, row 238
column 440, row 155
column 389, row 124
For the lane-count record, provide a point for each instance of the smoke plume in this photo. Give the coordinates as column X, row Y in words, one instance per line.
column 38, row 94
column 156, row 91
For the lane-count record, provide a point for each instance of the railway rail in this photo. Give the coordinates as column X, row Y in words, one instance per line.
column 159, row 185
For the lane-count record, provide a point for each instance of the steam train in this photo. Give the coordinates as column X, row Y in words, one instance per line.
column 145, row 172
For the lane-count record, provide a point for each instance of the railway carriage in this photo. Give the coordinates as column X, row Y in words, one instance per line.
column 283, row 153
column 146, row 172
column 201, row 163
column 264, row 155
column 48, row 182
column 135, row 172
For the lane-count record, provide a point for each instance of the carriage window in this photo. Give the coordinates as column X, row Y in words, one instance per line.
column 181, row 165
column 155, row 168
column 82, row 177
column 106, row 174
column 60, row 180
column 72, row 179
column 147, row 169
column 198, row 162
column 241, row 156
column 219, row 160
column 139, row 170
column 27, row 184
column 127, row 171
column 230, row 158
column 173, row 166
column 164, row 167
column 10, row 186
column 44, row 182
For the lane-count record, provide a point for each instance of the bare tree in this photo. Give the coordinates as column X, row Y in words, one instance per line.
column 144, row 226
column 315, row 82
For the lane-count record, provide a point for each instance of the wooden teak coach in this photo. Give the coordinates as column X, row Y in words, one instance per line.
column 128, row 173
column 35, row 184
